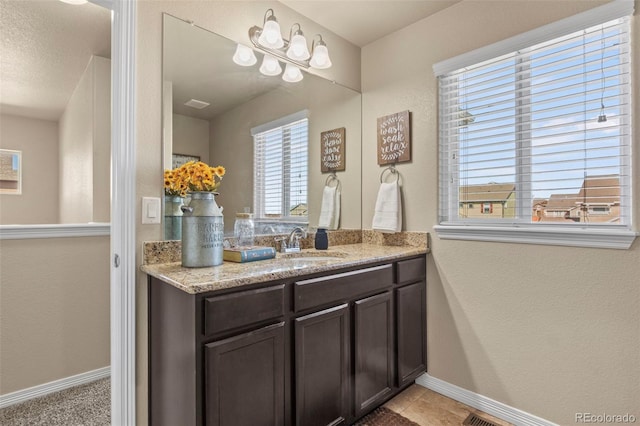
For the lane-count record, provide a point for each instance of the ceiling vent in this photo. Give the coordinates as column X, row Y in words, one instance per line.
column 194, row 103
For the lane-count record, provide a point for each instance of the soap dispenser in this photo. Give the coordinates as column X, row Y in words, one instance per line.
column 322, row 239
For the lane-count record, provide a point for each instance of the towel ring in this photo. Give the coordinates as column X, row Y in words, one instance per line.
column 393, row 171
column 331, row 178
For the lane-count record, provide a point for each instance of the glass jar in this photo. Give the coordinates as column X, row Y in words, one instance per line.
column 243, row 229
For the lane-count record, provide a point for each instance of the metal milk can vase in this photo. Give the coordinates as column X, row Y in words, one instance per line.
column 173, row 217
column 202, row 231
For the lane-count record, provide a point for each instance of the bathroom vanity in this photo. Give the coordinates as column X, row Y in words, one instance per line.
column 321, row 338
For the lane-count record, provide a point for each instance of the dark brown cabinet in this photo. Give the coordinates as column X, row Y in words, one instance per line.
column 322, row 349
column 244, row 379
column 373, row 347
column 322, row 367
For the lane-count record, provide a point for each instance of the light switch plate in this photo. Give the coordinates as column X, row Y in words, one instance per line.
column 150, row 210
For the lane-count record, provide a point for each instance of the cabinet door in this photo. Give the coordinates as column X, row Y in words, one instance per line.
column 322, row 367
column 373, row 342
column 244, row 379
column 411, row 323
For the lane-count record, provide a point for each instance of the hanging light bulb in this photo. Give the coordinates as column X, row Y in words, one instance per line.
column 270, row 66
column 320, row 58
column 298, row 45
column 292, row 74
column 270, row 36
column 244, row 56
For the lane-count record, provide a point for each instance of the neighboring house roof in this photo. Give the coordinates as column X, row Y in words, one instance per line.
column 562, row 202
column 603, row 189
column 540, row 202
column 496, row 192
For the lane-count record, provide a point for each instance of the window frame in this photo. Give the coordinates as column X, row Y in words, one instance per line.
column 529, row 232
column 258, row 208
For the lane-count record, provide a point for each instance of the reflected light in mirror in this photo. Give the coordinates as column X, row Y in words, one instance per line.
column 244, row 56
column 292, row 74
column 270, row 66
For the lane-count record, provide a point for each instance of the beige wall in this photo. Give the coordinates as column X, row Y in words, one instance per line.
column 54, row 309
column 85, row 148
column 191, row 136
column 329, row 107
column 38, row 141
column 232, row 20
column 548, row 330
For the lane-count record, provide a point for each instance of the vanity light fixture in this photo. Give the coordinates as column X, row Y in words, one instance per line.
column 298, row 45
column 294, row 51
column 270, row 36
column 292, row 74
column 244, row 56
column 320, row 58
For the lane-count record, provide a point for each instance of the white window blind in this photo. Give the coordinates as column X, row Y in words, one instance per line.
column 541, row 134
column 281, row 169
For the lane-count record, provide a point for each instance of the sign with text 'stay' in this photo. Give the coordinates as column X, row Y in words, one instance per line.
column 332, row 146
column 394, row 138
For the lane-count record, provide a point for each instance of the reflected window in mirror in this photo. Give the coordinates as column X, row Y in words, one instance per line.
column 281, row 169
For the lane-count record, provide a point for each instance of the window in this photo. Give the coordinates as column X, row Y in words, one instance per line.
column 10, row 172
column 281, row 168
column 541, row 127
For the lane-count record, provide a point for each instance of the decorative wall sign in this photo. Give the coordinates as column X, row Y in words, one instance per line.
column 394, row 138
column 10, row 172
column 180, row 159
column 332, row 146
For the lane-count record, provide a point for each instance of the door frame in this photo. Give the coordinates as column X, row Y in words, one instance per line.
column 123, row 211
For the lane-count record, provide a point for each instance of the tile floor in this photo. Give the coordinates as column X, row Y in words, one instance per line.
column 429, row 408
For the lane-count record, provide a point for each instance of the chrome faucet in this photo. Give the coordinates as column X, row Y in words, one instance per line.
column 292, row 243
column 294, row 238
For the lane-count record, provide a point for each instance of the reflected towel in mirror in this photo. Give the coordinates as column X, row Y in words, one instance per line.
column 330, row 208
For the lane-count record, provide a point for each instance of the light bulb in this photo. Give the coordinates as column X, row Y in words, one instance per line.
column 298, row 48
column 292, row 74
column 270, row 36
column 320, row 58
column 270, row 66
column 244, row 56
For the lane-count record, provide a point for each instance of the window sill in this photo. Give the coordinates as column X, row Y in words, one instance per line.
column 556, row 236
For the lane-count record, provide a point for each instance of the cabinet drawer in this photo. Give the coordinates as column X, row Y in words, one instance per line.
column 411, row 270
column 339, row 287
column 231, row 311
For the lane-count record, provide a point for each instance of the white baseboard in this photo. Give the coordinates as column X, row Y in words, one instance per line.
column 480, row 402
column 55, row 386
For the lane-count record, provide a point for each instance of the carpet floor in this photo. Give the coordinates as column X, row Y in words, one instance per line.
column 84, row 405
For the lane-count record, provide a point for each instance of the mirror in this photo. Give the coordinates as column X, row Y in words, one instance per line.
column 56, row 112
column 197, row 64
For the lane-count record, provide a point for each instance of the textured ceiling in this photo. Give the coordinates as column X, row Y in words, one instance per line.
column 364, row 21
column 46, row 46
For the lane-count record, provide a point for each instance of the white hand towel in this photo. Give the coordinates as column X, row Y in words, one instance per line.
column 327, row 208
column 388, row 213
column 336, row 210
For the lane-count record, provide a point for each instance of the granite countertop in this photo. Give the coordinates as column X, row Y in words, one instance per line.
column 231, row 275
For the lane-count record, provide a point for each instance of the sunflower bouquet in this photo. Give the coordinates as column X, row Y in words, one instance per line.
column 191, row 177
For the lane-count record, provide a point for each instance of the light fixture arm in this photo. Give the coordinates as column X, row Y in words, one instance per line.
column 271, row 17
column 254, row 34
column 298, row 31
